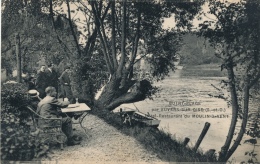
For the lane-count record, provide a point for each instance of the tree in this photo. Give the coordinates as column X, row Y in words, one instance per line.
column 38, row 40
column 120, row 30
column 132, row 26
column 125, row 32
column 196, row 51
column 235, row 34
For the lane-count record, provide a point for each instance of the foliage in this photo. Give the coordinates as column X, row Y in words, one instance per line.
column 147, row 88
column 161, row 143
column 236, row 43
column 130, row 33
column 164, row 49
column 17, row 143
column 196, row 51
column 105, row 40
column 13, row 95
column 38, row 41
column 89, row 75
column 254, row 132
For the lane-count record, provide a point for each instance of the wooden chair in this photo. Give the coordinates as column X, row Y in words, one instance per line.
column 49, row 129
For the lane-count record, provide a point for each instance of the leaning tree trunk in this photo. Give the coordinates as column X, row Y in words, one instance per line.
column 120, row 89
column 244, row 122
column 114, row 95
column 109, row 93
column 234, row 104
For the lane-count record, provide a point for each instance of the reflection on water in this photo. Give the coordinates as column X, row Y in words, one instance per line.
column 185, row 105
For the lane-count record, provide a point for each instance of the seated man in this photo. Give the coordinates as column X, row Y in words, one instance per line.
column 49, row 108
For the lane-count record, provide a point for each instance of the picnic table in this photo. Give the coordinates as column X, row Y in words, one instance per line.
column 78, row 108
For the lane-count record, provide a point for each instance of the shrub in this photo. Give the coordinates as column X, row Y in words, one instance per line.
column 254, row 132
column 13, row 97
column 16, row 141
column 162, row 143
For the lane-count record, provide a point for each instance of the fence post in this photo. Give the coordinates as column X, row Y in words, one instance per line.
column 186, row 140
column 121, row 115
column 202, row 135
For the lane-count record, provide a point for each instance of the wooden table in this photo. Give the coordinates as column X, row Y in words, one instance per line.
column 78, row 108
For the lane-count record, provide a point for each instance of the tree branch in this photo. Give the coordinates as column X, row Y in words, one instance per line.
column 106, row 10
column 53, row 24
column 101, row 38
column 129, row 97
column 72, row 30
column 114, row 37
column 140, row 58
column 105, row 39
column 123, row 41
column 117, row 22
column 91, row 40
column 7, row 47
column 136, row 40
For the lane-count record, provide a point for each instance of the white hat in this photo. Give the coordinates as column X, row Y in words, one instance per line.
column 33, row 93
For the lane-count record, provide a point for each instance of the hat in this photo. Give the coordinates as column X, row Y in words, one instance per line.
column 33, row 93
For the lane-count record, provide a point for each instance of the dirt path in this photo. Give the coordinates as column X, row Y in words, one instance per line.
column 106, row 144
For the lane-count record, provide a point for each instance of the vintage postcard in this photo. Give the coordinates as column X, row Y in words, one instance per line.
column 130, row 81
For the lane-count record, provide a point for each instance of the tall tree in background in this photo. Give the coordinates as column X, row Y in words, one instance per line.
column 133, row 26
column 235, row 34
column 117, row 36
column 122, row 30
column 29, row 20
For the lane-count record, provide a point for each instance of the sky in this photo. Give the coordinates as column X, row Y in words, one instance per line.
column 168, row 22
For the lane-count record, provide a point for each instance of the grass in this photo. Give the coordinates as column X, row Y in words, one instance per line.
column 154, row 140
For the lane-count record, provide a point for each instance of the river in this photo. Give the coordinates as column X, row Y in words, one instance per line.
column 186, row 103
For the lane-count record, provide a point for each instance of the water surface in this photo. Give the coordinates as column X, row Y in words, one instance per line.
column 186, row 102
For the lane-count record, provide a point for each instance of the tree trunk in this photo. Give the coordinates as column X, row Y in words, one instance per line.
column 232, row 88
column 244, row 122
column 109, row 93
column 113, row 96
column 123, row 42
column 113, row 35
column 18, row 58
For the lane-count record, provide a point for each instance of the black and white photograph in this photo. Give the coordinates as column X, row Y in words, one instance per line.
column 130, row 81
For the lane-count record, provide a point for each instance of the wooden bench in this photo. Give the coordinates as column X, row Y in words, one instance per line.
column 48, row 129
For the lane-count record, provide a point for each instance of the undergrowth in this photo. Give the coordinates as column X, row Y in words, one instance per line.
column 154, row 140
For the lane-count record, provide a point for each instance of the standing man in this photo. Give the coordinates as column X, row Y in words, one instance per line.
column 52, row 76
column 66, row 86
column 49, row 108
column 41, row 82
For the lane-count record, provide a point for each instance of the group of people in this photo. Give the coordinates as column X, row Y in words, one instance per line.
column 49, row 77
column 46, row 101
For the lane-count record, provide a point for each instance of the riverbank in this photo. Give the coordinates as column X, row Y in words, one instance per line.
column 110, row 141
column 176, row 89
column 186, row 91
column 105, row 144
